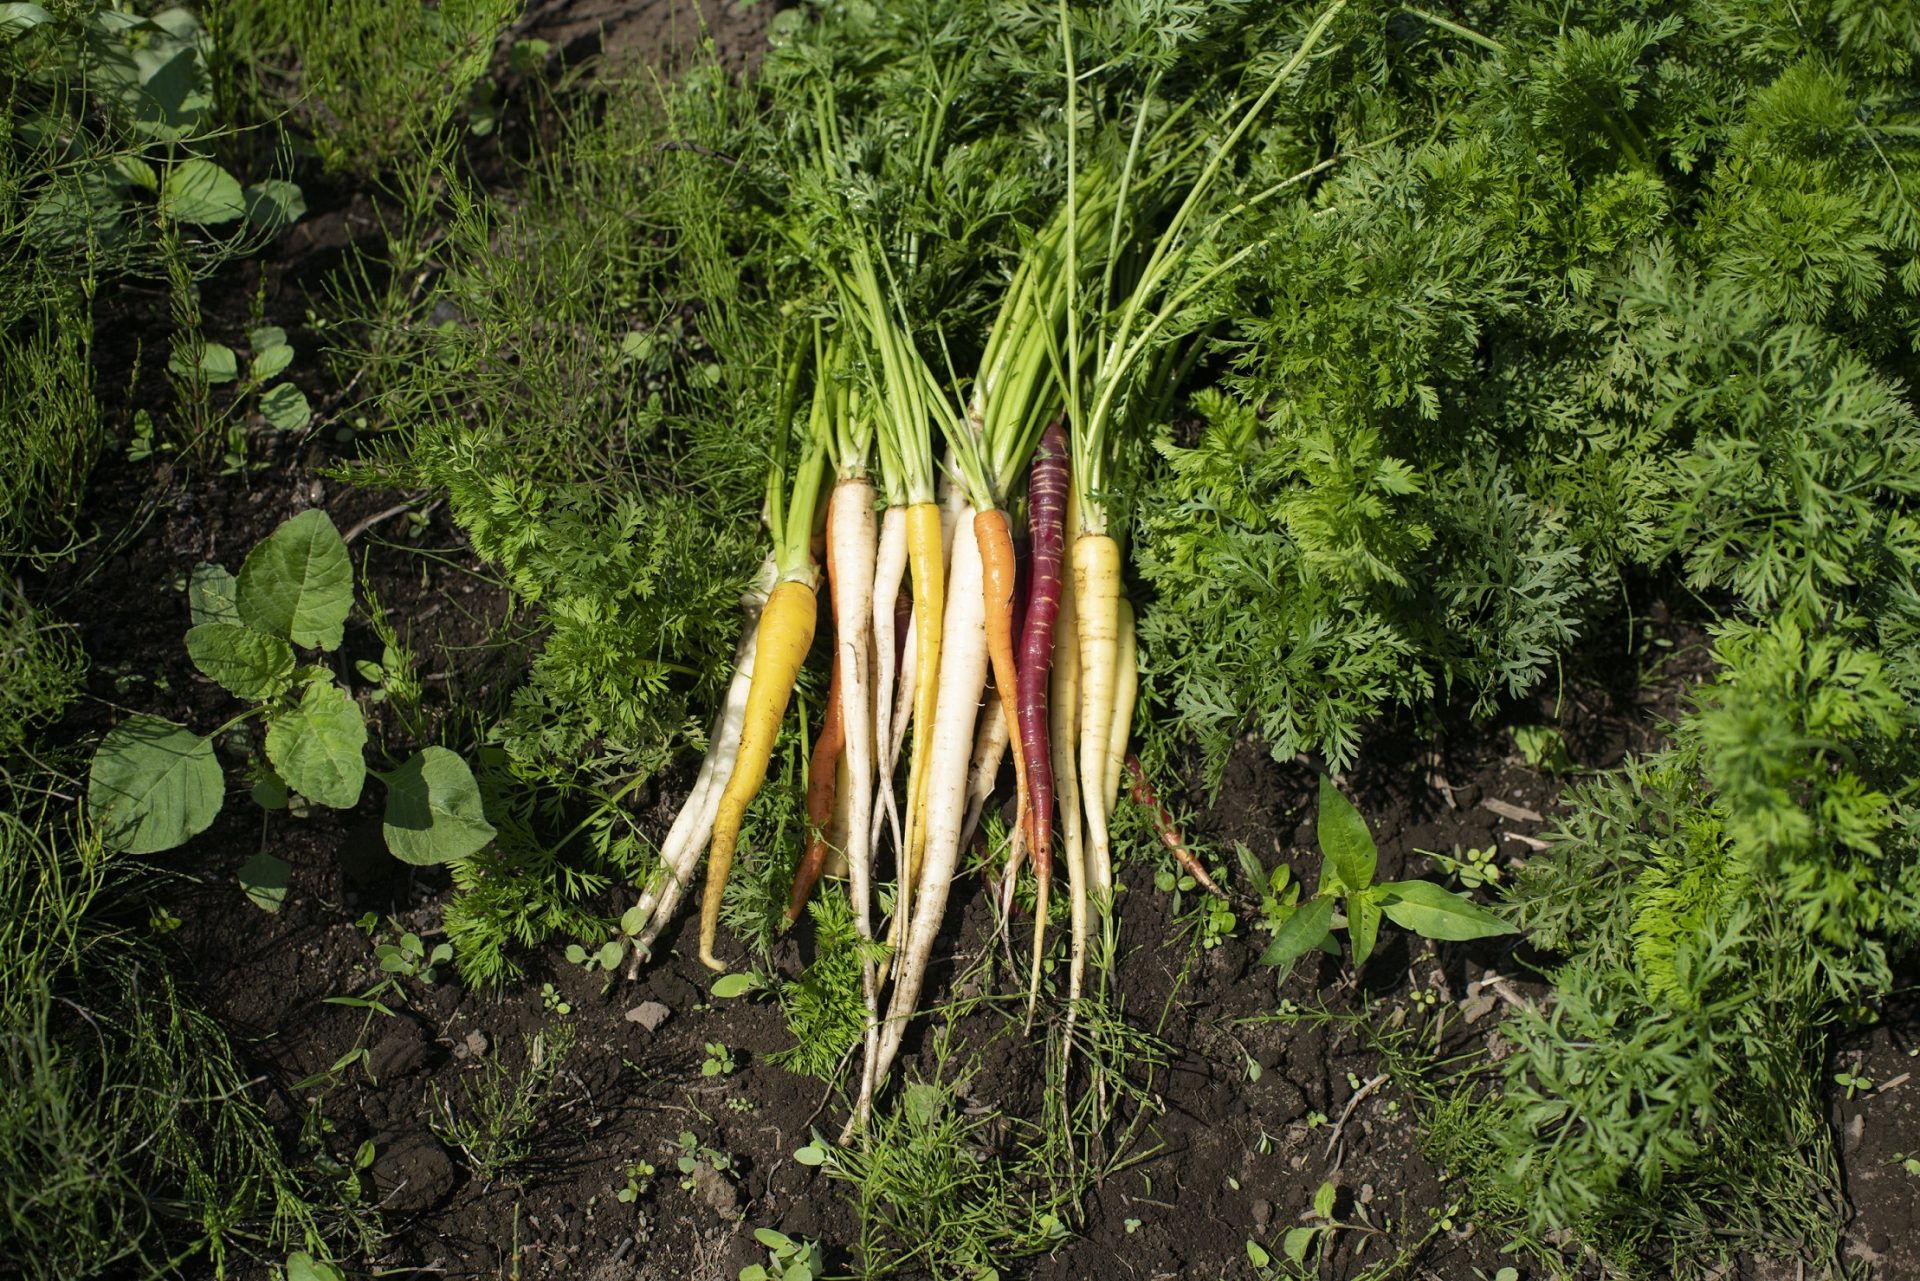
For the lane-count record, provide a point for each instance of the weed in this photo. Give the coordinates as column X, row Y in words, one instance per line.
column 553, row 1002
column 1349, row 857
column 639, row 1183
column 155, row 784
column 719, row 1060
column 1474, row 869
column 788, row 1260
column 499, row 1104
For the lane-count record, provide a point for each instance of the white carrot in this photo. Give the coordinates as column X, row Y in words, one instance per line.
column 1126, row 687
column 990, row 740
column 1096, row 598
column 852, row 537
column 680, row 850
column 890, row 569
column 962, row 677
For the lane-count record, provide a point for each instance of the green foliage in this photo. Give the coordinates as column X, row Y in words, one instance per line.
column 154, row 785
column 1583, row 298
column 364, row 82
column 42, row 669
column 1349, row 858
column 492, row 1118
column 823, row 1008
column 1718, row 904
column 129, row 1136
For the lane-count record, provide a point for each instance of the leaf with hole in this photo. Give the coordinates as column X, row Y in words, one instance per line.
column 1436, row 913
column 1344, row 838
column 153, row 785
column 246, row 663
column 264, row 877
column 1299, row 934
column 298, row 583
column 319, row 746
column 434, row 814
column 200, row 191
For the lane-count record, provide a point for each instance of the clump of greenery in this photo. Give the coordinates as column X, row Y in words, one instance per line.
column 154, row 784
column 128, row 1134
column 823, row 1008
column 492, row 1122
column 364, row 82
column 42, row 668
column 1718, row 905
column 1519, row 347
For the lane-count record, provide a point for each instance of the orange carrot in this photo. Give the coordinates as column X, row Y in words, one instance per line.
column 820, row 779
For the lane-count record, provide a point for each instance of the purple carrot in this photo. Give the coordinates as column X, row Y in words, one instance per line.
column 1047, row 516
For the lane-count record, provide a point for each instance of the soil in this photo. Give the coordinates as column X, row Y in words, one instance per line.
column 1250, row 1116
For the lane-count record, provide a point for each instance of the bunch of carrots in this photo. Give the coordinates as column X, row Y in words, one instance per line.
column 981, row 614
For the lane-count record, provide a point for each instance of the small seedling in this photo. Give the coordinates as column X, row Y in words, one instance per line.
column 1472, row 868
column 607, row 957
column 719, row 1060
column 1349, row 858
column 789, row 1260
column 693, row 1153
column 639, row 1183
column 551, row 999
column 410, row 958
column 1852, row 1081
column 1907, row 1161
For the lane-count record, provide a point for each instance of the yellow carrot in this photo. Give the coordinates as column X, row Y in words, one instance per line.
column 785, row 635
column 1096, row 597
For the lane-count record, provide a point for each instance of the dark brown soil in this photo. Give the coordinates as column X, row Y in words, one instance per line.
column 1250, row 1115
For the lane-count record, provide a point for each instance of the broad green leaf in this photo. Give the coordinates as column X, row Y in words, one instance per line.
column 298, row 583
column 274, row 204
column 266, row 337
column 201, row 191
column 1436, row 913
column 74, row 211
column 212, row 595
column 1344, row 838
column 1323, row 1198
column 17, row 18
column 264, row 877
column 1257, row 1254
column 247, row 664
column 319, row 746
column 732, row 985
column 1296, row 1243
column 769, row 1238
column 285, row 406
column 1363, row 925
column 270, row 792
column 434, row 813
column 136, row 172
column 812, row 1154
column 610, row 955
column 153, row 785
column 302, row 1266
column 1300, row 933
column 269, row 362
